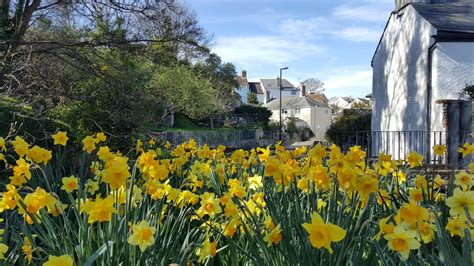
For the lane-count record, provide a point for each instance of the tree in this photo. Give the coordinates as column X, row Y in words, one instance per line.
column 115, row 103
column 334, row 108
column 361, row 105
column 222, row 78
column 313, row 85
column 179, row 89
column 252, row 98
column 107, row 65
column 467, row 93
column 76, row 33
column 146, row 20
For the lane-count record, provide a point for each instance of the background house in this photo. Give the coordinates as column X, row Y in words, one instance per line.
column 304, row 111
column 320, row 97
column 341, row 102
column 256, row 87
column 271, row 89
column 425, row 54
column 243, row 89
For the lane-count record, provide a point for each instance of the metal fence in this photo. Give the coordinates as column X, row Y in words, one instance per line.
column 214, row 138
column 400, row 143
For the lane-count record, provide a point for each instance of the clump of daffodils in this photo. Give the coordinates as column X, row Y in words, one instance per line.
column 127, row 208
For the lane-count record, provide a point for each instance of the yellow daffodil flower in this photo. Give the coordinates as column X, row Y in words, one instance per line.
column 60, row 138
column 64, row 260
column 414, row 159
column 402, row 241
column 69, row 184
column 273, row 237
column 142, row 235
column 321, row 235
column 207, row 248
column 460, row 202
column 439, row 149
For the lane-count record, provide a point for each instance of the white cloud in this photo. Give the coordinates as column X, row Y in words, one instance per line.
column 358, row 34
column 348, row 82
column 370, row 13
column 321, row 27
column 262, row 50
column 304, row 28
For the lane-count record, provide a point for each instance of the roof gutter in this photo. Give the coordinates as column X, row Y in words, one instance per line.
column 429, row 90
column 454, row 36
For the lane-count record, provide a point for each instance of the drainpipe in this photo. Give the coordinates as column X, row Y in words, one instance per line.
column 428, row 96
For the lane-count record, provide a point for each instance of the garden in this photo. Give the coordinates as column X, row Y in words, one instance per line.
column 87, row 204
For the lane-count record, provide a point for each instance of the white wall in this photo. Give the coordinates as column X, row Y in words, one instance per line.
column 400, row 74
column 243, row 92
column 341, row 103
column 453, row 69
column 305, row 115
column 320, row 121
column 317, row 118
column 275, row 93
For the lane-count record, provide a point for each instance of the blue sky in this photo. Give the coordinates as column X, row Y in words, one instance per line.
column 332, row 40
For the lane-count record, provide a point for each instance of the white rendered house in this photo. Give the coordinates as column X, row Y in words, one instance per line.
column 425, row 55
column 271, row 89
column 304, row 111
column 243, row 89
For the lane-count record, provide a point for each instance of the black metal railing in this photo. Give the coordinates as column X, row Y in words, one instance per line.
column 213, row 138
column 400, row 143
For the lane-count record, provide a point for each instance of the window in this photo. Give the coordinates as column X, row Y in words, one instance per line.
column 293, row 92
column 297, row 111
column 283, row 111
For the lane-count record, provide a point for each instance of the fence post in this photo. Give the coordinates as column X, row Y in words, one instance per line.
column 453, row 112
column 465, row 127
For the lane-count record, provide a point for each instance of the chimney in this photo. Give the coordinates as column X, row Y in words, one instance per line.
column 244, row 73
column 401, row 3
column 303, row 90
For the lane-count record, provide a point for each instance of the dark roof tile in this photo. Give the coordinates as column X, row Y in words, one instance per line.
column 275, row 84
column 452, row 17
column 292, row 102
column 255, row 87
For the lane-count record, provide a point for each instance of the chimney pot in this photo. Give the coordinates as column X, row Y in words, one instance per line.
column 244, row 73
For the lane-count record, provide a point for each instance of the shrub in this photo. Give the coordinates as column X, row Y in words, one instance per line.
column 345, row 127
column 252, row 98
column 23, row 119
column 262, row 113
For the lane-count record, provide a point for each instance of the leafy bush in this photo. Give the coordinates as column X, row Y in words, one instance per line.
column 297, row 133
column 252, row 98
column 23, row 119
column 467, row 93
column 345, row 127
column 262, row 113
column 116, row 103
